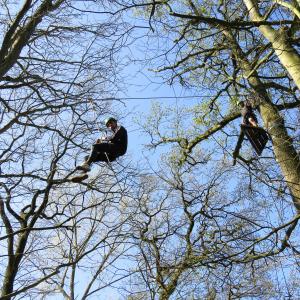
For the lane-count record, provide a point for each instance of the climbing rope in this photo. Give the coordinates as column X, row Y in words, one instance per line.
column 101, row 131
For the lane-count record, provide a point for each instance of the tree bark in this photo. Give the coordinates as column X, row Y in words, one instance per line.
column 288, row 56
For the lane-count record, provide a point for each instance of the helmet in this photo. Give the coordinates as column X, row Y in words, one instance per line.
column 108, row 120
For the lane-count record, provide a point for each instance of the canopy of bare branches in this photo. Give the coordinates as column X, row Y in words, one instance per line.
column 190, row 224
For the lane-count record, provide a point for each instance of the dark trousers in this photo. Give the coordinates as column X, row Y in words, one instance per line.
column 102, row 152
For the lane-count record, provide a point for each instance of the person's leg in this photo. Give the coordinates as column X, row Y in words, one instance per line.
column 101, row 156
column 112, row 154
column 100, row 152
column 95, row 155
column 108, row 156
column 106, row 152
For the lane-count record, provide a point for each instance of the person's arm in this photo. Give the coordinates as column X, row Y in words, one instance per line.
column 118, row 136
column 103, row 138
column 252, row 121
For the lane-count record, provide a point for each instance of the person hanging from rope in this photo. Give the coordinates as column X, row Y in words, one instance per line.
column 109, row 148
column 249, row 118
column 257, row 136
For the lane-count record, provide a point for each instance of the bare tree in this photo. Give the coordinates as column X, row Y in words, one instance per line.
column 213, row 47
column 57, row 63
column 190, row 235
column 87, row 247
column 198, row 237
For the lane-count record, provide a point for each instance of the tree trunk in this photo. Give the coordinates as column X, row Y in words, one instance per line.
column 288, row 56
column 8, row 283
column 285, row 153
column 13, row 266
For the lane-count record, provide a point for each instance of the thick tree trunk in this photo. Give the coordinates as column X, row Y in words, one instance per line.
column 285, row 153
column 9, row 278
column 288, row 56
column 17, row 37
column 13, row 266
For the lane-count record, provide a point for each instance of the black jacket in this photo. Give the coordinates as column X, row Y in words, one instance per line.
column 120, row 139
column 247, row 112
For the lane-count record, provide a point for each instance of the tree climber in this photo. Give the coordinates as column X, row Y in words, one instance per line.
column 106, row 149
column 257, row 136
column 248, row 115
